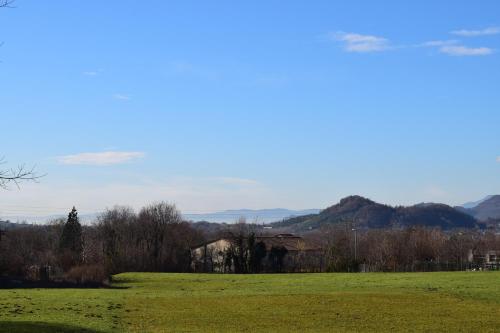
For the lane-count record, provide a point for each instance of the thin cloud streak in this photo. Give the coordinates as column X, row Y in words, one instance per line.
column 93, row 72
column 187, row 69
column 353, row 42
column 236, row 181
column 474, row 33
column 359, row 43
column 101, row 158
column 121, row 97
column 459, row 50
column 438, row 43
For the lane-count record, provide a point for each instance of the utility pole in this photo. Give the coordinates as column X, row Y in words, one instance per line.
column 355, row 244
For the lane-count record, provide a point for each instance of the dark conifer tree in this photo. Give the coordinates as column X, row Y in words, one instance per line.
column 71, row 242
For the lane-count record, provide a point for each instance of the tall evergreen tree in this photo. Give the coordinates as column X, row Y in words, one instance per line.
column 71, row 242
column 256, row 253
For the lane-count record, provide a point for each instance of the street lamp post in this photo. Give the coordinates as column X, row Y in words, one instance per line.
column 355, row 244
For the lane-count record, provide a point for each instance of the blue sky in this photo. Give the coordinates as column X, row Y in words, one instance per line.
column 221, row 105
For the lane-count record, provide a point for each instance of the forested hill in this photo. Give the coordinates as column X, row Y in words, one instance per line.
column 365, row 213
column 488, row 208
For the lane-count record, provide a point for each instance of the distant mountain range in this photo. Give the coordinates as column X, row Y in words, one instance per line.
column 42, row 219
column 473, row 204
column 365, row 213
column 227, row 216
column 7, row 225
column 251, row 216
column 485, row 209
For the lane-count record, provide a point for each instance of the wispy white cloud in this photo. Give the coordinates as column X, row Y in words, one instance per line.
column 498, row 159
column 121, row 97
column 101, row 158
column 185, row 68
column 435, row 192
column 272, row 80
column 454, row 48
column 438, row 43
column 460, row 50
column 236, row 181
column 475, row 33
column 182, row 67
column 93, row 72
column 354, row 42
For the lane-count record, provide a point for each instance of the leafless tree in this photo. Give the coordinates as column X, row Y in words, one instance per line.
column 21, row 173
column 16, row 175
column 6, row 4
column 156, row 239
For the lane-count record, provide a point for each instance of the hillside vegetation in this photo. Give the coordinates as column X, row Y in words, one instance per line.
column 365, row 213
column 155, row 302
column 487, row 209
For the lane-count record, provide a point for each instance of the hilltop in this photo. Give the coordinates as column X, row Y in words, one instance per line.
column 483, row 210
column 365, row 213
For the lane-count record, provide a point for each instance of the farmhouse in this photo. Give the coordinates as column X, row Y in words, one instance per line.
column 281, row 252
column 485, row 259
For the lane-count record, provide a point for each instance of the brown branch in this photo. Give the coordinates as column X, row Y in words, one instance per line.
column 6, row 3
column 17, row 175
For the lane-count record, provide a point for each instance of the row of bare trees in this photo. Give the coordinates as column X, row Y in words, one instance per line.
column 155, row 239
column 343, row 248
column 28, row 246
column 405, row 250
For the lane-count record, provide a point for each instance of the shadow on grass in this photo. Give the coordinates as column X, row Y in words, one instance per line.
column 23, row 284
column 37, row 327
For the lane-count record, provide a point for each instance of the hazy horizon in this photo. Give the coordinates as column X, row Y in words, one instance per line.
column 264, row 215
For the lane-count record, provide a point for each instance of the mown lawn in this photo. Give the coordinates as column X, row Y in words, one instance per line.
column 150, row 302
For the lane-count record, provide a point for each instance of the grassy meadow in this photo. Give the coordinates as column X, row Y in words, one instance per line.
column 152, row 302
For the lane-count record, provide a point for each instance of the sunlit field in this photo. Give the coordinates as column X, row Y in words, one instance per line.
column 151, row 302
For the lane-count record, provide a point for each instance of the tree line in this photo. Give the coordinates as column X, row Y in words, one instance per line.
column 156, row 239
column 413, row 249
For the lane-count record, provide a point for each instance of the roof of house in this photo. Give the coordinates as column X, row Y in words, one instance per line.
column 289, row 241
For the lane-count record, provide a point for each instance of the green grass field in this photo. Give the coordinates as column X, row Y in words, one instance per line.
column 150, row 302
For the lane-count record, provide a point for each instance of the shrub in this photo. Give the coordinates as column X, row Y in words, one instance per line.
column 87, row 275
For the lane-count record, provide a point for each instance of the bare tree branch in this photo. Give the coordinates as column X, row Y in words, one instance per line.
column 6, row 3
column 17, row 175
column 21, row 173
